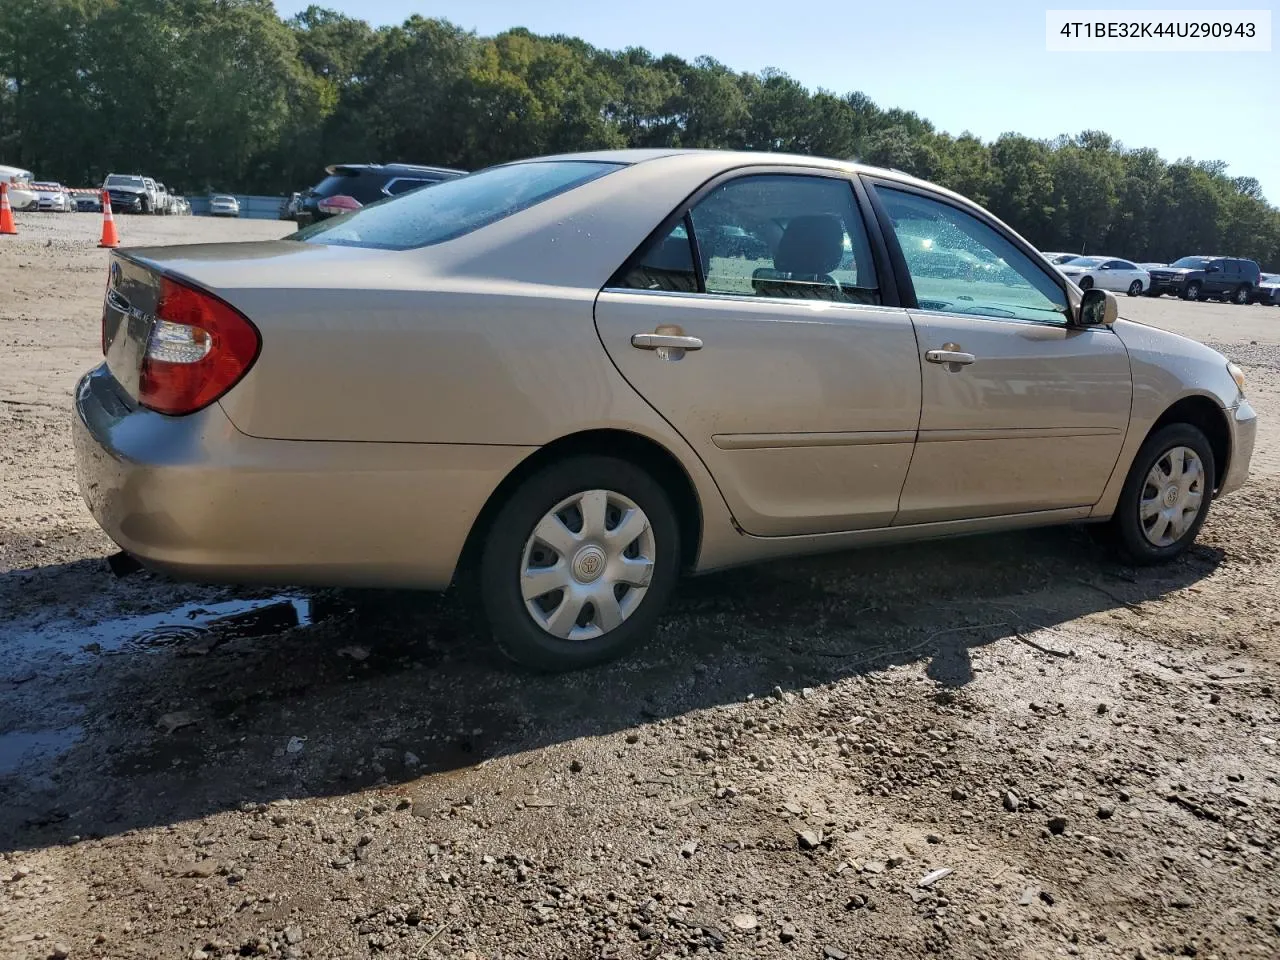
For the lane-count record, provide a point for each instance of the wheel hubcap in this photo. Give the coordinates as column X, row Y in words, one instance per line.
column 1172, row 496
column 587, row 565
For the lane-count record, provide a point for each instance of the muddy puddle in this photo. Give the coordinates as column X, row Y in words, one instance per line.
column 21, row 747
column 192, row 628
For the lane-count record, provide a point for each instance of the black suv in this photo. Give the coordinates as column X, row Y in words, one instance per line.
column 350, row 186
column 1198, row 278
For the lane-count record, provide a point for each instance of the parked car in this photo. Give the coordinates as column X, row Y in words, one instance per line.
column 1268, row 290
column 289, row 209
column 1197, row 278
column 128, row 193
column 53, row 197
column 164, row 201
column 18, row 185
column 530, row 381
column 350, row 186
column 1056, row 258
column 1107, row 273
column 88, row 201
column 153, row 194
column 223, row 205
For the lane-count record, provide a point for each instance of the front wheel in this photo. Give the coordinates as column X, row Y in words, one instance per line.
column 1166, row 496
column 1135, row 288
column 1086, row 283
column 1191, row 291
column 579, row 563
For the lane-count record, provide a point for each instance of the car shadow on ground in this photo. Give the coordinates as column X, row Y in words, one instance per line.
column 320, row 694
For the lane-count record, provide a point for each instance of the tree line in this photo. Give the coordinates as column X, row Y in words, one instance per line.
column 225, row 95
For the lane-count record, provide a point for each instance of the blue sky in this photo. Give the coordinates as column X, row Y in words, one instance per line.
column 977, row 67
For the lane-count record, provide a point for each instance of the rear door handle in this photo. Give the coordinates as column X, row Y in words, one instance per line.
column 949, row 356
column 654, row 341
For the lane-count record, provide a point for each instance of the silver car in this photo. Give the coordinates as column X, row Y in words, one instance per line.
column 53, row 197
column 563, row 382
column 224, row 205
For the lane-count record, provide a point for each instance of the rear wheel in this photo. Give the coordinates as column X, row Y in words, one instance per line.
column 1166, row 496
column 1135, row 288
column 1241, row 295
column 579, row 563
column 1191, row 291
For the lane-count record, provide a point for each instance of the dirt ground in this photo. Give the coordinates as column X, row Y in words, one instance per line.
column 1000, row 747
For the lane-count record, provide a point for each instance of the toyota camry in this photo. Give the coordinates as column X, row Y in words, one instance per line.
column 568, row 380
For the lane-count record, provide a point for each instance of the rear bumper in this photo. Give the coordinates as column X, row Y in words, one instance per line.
column 195, row 498
column 1244, row 431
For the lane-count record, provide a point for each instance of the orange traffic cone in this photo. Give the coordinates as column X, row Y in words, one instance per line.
column 7, row 226
column 109, row 236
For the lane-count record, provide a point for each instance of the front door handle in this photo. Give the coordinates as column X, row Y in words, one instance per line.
column 656, row 341
column 958, row 357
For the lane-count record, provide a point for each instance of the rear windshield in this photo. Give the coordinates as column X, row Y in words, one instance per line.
column 454, row 207
column 120, row 180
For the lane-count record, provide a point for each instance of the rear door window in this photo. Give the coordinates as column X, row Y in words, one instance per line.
column 786, row 236
column 666, row 265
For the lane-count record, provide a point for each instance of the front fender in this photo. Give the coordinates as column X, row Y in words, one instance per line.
column 1167, row 368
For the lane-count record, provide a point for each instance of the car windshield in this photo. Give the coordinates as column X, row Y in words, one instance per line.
column 455, row 207
column 223, row 198
column 120, row 180
column 1193, row 262
column 1083, row 262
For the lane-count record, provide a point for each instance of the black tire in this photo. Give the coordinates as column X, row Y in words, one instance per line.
column 144, row 206
column 1135, row 288
column 1086, row 283
column 1241, row 295
column 1131, row 538
column 497, row 587
column 1191, row 291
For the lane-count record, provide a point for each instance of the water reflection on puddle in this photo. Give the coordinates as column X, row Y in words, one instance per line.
column 199, row 625
column 25, row 746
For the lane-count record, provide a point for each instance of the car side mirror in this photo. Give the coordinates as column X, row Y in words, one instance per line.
column 1098, row 308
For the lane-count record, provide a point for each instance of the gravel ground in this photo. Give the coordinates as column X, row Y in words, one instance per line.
column 1000, row 747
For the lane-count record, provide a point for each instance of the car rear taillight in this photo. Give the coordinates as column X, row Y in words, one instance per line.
column 339, row 204
column 199, row 349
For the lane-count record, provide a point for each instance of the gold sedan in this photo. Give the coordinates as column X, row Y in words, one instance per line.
column 570, row 379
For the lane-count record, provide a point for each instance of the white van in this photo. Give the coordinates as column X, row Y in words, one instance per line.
column 21, row 196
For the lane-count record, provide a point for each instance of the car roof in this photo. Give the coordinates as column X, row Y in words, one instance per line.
column 743, row 158
column 389, row 168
